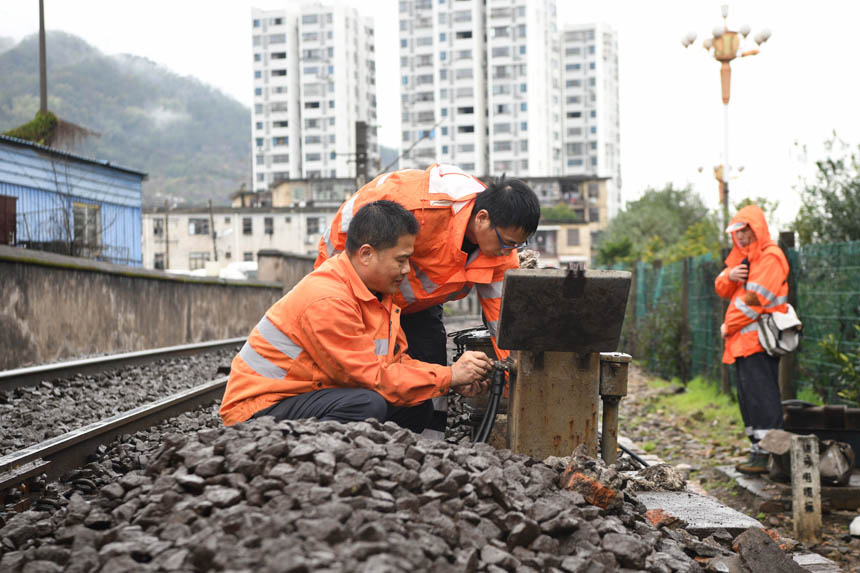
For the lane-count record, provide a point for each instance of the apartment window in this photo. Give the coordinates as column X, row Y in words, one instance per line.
column 593, row 214
column 524, row 126
column 282, row 123
column 258, row 74
column 256, row 23
column 313, row 157
column 277, row 38
column 524, row 106
column 258, row 141
column 466, row 109
column 311, row 139
column 501, row 51
column 158, row 262
column 502, row 128
column 444, row 150
column 288, row 220
column 227, row 220
column 466, row 129
column 258, row 57
column 463, row 73
column 574, row 114
column 464, row 34
column 197, row 260
column 280, row 158
column 280, row 140
column 523, row 88
column 445, row 130
column 312, row 105
column 574, row 148
column 424, row 41
column 198, row 226
column 276, row 21
column 269, row 225
column 278, row 73
column 466, row 148
column 502, row 146
column 248, row 256
column 523, row 49
column 258, row 91
column 591, row 65
column 444, row 112
column 158, row 227
column 247, row 226
column 310, row 19
column 313, row 225
column 404, row 43
column 442, row 36
column 573, row 237
column 278, row 56
column 503, row 108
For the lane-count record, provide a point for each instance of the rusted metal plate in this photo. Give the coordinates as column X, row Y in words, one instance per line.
column 563, row 311
column 553, row 404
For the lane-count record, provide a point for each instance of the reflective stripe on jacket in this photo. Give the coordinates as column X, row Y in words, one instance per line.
column 329, row 331
column 765, row 290
column 442, row 199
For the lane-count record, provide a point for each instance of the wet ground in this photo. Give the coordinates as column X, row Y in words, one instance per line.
column 683, row 441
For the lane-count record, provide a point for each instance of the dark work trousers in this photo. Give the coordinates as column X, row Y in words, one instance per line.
column 425, row 333
column 349, row 405
column 758, row 396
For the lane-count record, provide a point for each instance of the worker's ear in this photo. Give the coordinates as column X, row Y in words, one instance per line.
column 482, row 217
column 365, row 253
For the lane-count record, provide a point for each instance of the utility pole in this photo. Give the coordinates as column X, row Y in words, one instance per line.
column 360, row 153
column 166, row 239
column 43, row 67
column 212, row 231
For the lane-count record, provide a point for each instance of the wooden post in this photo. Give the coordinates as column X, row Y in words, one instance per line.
column 805, row 488
column 787, row 388
column 553, row 403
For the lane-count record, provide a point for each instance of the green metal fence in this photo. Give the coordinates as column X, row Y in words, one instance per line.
column 674, row 315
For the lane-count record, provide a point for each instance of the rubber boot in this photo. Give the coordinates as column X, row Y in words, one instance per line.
column 756, row 464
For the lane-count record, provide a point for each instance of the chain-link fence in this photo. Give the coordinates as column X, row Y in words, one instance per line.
column 674, row 316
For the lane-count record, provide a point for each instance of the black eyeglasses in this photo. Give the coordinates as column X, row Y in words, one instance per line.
column 509, row 246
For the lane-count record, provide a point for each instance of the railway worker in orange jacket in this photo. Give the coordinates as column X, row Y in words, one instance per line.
column 755, row 281
column 469, row 236
column 332, row 347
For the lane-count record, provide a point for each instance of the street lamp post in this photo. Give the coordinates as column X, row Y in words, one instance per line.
column 726, row 45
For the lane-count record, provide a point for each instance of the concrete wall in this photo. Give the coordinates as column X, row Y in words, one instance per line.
column 281, row 267
column 57, row 308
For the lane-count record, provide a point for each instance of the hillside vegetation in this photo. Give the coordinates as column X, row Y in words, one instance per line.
column 192, row 140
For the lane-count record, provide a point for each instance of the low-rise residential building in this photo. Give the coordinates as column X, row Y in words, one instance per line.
column 193, row 238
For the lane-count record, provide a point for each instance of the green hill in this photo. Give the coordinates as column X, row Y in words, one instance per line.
column 192, row 140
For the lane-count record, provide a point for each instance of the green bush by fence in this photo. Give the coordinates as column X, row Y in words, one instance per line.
column 674, row 316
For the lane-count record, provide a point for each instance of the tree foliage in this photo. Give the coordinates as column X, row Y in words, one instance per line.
column 666, row 224
column 831, row 202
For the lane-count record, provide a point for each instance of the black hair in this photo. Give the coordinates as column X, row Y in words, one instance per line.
column 510, row 203
column 379, row 224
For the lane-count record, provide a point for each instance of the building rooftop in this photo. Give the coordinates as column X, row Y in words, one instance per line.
column 65, row 154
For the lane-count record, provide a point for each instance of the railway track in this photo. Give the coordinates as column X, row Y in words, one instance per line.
column 34, row 375
column 23, row 472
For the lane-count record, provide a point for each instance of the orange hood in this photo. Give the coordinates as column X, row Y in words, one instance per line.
column 753, row 216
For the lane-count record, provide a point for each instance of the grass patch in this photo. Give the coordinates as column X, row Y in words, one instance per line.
column 808, row 394
column 649, row 446
column 703, row 402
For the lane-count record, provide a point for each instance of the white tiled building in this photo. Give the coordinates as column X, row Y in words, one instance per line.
column 314, row 78
column 495, row 87
column 590, row 106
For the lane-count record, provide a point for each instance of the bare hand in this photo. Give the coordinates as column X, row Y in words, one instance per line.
column 723, row 330
column 474, row 388
column 739, row 273
column 472, row 366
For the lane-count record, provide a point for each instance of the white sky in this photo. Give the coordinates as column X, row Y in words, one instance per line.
column 798, row 90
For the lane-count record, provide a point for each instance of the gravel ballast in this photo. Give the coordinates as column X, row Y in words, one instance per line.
column 322, row 496
column 33, row 414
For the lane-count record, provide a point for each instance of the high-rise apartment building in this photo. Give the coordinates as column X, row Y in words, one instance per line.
column 476, row 80
column 314, row 80
column 591, row 131
column 494, row 87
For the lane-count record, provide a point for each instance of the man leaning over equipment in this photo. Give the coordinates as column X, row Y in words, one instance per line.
column 469, row 236
column 332, row 348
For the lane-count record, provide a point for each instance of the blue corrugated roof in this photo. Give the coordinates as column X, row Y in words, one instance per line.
column 59, row 153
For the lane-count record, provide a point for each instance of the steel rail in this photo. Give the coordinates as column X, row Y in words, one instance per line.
column 33, row 375
column 60, row 454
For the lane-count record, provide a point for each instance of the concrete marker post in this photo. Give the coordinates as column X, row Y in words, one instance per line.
column 806, row 488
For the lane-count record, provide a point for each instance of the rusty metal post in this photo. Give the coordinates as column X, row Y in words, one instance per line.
column 553, row 406
column 613, row 387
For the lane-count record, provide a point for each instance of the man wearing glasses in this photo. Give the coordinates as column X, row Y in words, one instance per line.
column 469, row 236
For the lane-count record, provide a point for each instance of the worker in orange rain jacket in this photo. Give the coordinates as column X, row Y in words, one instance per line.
column 755, row 281
column 332, row 347
column 469, row 237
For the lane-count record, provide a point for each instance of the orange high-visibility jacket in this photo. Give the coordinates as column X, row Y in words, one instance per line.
column 765, row 291
column 442, row 199
column 329, row 331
